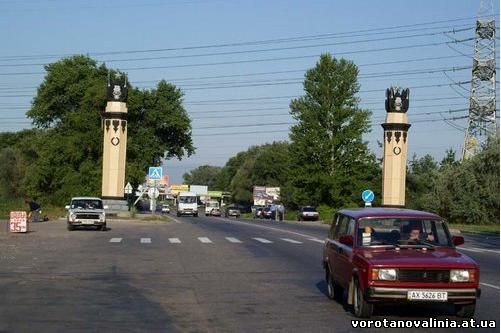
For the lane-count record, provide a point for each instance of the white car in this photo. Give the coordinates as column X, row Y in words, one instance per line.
column 86, row 212
column 165, row 209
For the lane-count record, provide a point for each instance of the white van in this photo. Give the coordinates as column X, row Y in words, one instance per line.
column 187, row 204
column 210, row 205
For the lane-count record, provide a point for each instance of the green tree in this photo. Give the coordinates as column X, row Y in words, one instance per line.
column 265, row 165
column 421, row 175
column 469, row 192
column 331, row 162
column 203, row 175
column 64, row 157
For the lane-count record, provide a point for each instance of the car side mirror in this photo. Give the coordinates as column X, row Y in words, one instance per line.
column 457, row 240
column 67, row 207
column 346, row 240
column 105, row 207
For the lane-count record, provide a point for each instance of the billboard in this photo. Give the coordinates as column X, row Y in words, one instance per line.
column 199, row 189
column 263, row 195
column 176, row 188
column 215, row 194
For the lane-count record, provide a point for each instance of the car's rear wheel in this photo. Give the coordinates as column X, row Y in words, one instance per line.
column 361, row 308
column 332, row 288
column 465, row 311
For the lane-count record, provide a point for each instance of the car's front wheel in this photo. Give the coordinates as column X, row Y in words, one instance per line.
column 465, row 311
column 361, row 308
column 70, row 227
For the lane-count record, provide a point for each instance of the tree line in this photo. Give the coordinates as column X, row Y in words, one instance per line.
column 325, row 163
column 62, row 155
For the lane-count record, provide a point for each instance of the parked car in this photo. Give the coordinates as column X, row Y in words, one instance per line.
column 258, row 212
column 266, row 214
column 215, row 212
column 232, row 211
column 86, row 212
column 307, row 213
column 166, row 208
column 382, row 255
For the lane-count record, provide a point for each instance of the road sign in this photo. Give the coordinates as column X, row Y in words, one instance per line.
column 153, row 192
column 18, row 222
column 368, row 196
column 155, row 173
column 128, row 188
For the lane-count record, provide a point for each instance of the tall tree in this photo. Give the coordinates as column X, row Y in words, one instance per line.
column 265, row 165
column 331, row 162
column 65, row 154
column 204, row 175
column 421, row 175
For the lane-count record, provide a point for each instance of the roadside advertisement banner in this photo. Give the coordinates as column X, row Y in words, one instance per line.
column 199, row 189
column 214, row 194
column 164, row 181
column 18, row 222
column 265, row 195
column 176, row 188
column 273, row 192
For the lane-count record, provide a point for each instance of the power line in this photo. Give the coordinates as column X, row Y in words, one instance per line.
column 288, row 48
column 221, row 45
column 260, row 60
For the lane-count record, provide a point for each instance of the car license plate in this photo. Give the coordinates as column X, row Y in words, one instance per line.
column 427, row 295
column 87, row 222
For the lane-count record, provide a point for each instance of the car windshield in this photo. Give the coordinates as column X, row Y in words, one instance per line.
column 213, row 204
column 86, row 204
column 309, row 209
column 402, row 231
column 187, row 199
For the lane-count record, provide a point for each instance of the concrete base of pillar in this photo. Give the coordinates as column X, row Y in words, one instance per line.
column 117, row 208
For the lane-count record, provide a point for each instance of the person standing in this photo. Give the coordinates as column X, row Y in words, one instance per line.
column 34, row 213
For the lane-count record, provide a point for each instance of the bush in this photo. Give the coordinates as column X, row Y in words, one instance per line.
column 326, row 213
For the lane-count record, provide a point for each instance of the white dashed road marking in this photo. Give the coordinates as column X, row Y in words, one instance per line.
column 145, row 240
column 291, row 241
column 204, row 240
column 233, row 240
column 174, row 240
column 316, row 240
column 262, row 240
column 115, row 240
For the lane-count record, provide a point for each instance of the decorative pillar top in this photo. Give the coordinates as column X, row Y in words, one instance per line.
column 397, row 100
column 117, row 88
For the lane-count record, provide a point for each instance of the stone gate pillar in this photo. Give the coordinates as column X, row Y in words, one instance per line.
column 395, row 128
column 115, row 139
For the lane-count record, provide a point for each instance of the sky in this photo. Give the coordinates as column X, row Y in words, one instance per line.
column 239, row 63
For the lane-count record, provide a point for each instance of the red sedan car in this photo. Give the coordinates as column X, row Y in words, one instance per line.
column 398, row 255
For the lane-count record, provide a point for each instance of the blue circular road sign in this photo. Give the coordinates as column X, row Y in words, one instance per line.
column 368, row 196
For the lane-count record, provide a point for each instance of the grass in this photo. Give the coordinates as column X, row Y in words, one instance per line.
column 53, row 212
column 477, row 228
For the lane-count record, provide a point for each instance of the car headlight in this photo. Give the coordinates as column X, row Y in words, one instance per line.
column 462, row 275
column 102, row 218
column 384, row 274
column 72, row 217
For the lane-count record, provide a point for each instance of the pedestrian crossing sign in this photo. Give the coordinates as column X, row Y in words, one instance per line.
column 155, row 173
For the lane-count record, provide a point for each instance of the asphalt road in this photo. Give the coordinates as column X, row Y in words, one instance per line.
column 202, row 274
